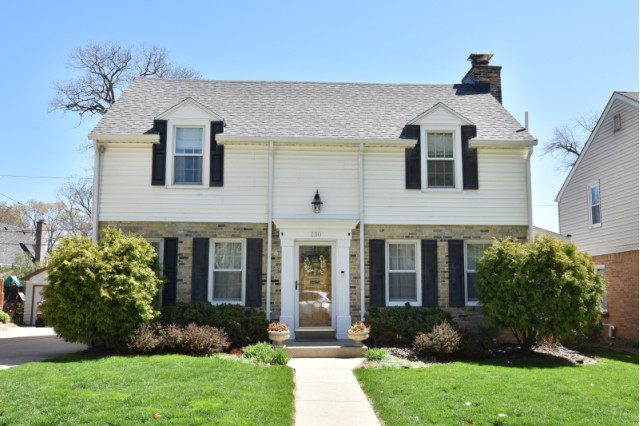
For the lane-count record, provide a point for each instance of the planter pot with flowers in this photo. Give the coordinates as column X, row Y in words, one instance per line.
column 358, row 333
column 278, row 332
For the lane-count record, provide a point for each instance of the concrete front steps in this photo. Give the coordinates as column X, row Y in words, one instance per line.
column 324, row 349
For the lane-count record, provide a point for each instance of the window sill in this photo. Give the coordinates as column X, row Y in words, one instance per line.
column 230, row 302
column 596, row 225
column 441, row 189
column 179, row 186
column 414, row 303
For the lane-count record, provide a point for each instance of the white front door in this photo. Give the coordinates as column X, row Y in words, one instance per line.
column 314, row 286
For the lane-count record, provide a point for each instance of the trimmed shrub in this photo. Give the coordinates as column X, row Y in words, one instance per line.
column 376, row 354
column 539, row 290
column 265, row 353
column 98, row 293
column 192, row 340
column 144, row 340
column 443, row 340
column 201, row 340
column 244, row 326
column 4, row 317
column 397, row 326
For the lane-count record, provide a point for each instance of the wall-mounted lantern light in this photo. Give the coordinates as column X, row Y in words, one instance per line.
column 317, row 203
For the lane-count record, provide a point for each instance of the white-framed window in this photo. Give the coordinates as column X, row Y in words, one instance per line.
column 441, row 158
column 227, row 271
column 473, row 251
column 188, row 155
column 600, row 270
column 403, row 273
column 594, row 205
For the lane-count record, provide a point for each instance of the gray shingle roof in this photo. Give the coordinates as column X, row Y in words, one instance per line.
column 299, row 109
column 14, row 242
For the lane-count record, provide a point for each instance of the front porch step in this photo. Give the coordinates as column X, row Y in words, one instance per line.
column 325, row 349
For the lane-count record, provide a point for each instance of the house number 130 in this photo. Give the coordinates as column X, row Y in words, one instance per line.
column 316, row 234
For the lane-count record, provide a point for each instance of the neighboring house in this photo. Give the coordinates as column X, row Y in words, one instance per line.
column 541, row 232
column 14, row 241
column 598, row 208
column 312, row 201
column 33, row 283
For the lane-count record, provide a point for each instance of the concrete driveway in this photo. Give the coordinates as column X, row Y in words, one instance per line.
column 19, row 345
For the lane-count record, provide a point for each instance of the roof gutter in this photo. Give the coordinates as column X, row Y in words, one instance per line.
column 305, row 140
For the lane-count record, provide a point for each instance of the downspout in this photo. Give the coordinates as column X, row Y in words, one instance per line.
column 97, row 187
column 361, row 182
column 529, row 198
column 269, row 228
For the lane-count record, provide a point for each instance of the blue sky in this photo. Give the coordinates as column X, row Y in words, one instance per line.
column 560, row 59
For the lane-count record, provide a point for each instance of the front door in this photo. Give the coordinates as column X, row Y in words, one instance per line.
column 315, row 298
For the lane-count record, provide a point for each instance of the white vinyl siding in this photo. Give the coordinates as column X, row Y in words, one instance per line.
column 403, row 273
column 500, row 200
column 612, row 160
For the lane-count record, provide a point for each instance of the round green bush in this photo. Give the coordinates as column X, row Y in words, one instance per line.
column 538, row 290
column 98, row 293
column 4, row 317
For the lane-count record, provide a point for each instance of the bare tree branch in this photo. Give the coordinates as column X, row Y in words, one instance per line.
column 107, row 69
column 568, row 140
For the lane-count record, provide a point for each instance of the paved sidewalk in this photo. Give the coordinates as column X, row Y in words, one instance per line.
column 327, row 393
column 19, row 345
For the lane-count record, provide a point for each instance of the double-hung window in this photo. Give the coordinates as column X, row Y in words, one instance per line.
column 440, row 160
column 227, row 272
column 188, row 155
column 403, row 273
column 473, row 253
column 158, row 246
column 594, row 205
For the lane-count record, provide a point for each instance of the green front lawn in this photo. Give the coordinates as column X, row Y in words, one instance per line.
column 131, row 390
column 527, row 391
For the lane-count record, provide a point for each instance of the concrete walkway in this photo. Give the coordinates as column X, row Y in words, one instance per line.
column 19, row 345
column 327, row 393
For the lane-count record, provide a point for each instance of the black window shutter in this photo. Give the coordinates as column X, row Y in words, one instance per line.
column 469, row 159
column 216, row 156
column 412, row 158
column 253, row 294
column 159, row 155
column 429, row 254
column 200, row 270
column 456, row 273
column 170, row 271
column 377, row 276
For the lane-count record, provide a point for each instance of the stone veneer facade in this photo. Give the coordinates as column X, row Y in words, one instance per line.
column 469, row 317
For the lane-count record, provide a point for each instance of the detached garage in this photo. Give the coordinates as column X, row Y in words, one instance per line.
column 34, row 283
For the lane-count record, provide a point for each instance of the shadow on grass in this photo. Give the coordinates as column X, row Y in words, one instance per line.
column 613, row 355
column 81, row 357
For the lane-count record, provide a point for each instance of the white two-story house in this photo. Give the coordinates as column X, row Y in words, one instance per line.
column 312, row 201
column 598, row 209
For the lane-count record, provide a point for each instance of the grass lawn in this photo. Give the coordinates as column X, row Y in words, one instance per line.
column 527, row 391
column 131, row 390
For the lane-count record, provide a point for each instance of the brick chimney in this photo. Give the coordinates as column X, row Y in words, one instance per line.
column 484, row 76
column 41, row 241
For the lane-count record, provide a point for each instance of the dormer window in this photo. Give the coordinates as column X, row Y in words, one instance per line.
column 188, row 155
column 440, row 160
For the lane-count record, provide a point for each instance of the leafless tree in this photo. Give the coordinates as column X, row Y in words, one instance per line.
column 76, row 199
column 107, row 69
column 32, row 211
column 568, row 140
